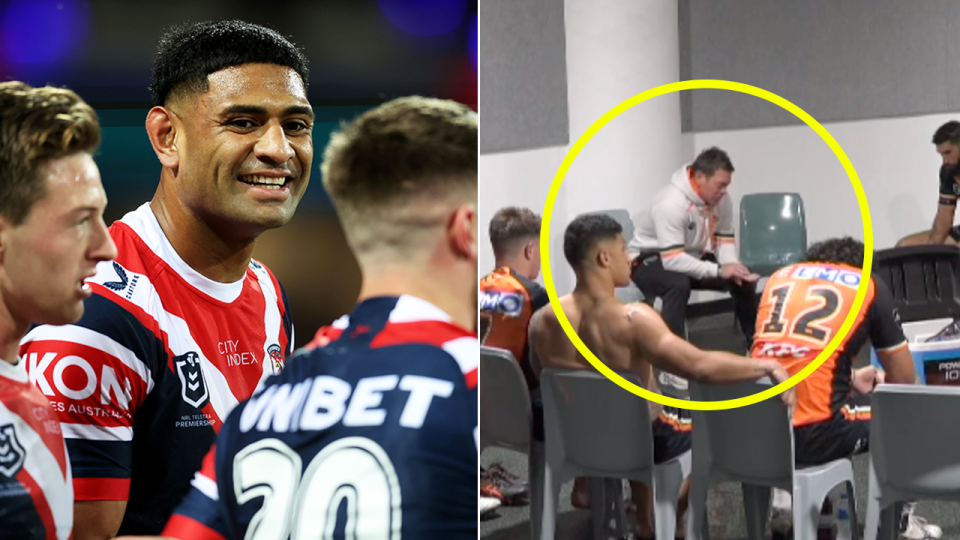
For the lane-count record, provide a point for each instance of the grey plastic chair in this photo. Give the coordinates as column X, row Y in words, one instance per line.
column 506, row 420
column 595, row 428
column 773, row 231
column 753, row 445
column 900, row 468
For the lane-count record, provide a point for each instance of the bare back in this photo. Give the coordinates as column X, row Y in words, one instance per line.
column 549, row 345
column 607, row 331
column 603, row 327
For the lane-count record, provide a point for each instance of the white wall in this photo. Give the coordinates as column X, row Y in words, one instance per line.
column 894, row 158
column 514, row 179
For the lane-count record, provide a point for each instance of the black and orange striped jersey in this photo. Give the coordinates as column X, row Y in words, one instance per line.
column 510, row 300
column 801, row 310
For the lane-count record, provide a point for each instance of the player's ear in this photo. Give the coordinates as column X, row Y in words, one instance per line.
column 163, row 127
column 603, row 258
column 530, row 250
column 463, row 231
column 5, row 228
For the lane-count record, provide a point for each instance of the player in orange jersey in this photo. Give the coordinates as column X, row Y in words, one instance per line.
column 801, row 310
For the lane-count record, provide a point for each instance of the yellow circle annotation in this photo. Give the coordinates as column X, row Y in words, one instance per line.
column 735, row 87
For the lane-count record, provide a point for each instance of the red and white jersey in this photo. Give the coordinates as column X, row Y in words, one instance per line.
column 143, row 382
column 36, row 490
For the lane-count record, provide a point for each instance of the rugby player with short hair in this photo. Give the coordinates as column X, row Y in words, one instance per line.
column 631, row 338
column 375, row 434
column 509, row 296
column 802, row 308
column 184, row 324
column 947, row 140
column 52, row 236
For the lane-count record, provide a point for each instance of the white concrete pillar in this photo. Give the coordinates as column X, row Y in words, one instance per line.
column 617, row 49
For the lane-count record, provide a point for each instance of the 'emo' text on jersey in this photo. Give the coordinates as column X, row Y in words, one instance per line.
column 143, row 382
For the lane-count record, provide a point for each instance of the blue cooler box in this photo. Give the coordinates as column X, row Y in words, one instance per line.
column 937, row 363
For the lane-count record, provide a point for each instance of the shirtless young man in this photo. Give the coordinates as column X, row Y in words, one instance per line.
column 630, row 338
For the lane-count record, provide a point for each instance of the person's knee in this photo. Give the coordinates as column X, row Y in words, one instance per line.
column 915, row 239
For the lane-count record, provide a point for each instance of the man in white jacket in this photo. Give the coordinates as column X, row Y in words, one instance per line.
column 684, row 240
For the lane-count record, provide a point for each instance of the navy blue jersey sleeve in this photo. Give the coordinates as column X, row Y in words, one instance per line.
column 199, row 516
column 949, row 188
column 96, row 373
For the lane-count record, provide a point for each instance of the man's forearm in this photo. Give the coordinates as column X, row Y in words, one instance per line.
column 941, row 227
column 721, row 367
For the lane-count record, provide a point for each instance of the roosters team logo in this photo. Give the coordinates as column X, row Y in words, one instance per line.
column 193, row 385
column 12, row 453
column 276, row 356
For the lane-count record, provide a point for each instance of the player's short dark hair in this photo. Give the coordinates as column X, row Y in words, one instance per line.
column 403, row 154
column 511, row 225
column 584, row 232
column 712, row 160
column 38, row 125
column 188, row 53
column 846, row 250
column 949, row 132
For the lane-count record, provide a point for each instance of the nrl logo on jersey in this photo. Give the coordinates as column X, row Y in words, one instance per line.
column 12, row 453
column 192, row 384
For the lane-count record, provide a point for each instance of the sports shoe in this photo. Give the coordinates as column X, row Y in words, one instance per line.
column 914, row 527
column 487, row 505
column 507, row 495
column 950, row 331
column 781, row 518
column 504, row 485
column 498, row 474
column 781, row 522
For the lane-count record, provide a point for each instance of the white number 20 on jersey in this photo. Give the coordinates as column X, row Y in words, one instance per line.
column 354, row 469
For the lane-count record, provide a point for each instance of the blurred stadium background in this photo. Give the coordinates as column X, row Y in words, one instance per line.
column 362, row 53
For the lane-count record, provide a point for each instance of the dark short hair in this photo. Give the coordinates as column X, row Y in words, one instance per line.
column 510, row 225
column 188, row 53
column 949, row 132
column 407, row 149
column 712, row 160
column 846, row 250
column 38, row 125
column 585, row 232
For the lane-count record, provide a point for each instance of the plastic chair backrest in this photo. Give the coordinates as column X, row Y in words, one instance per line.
column 773, row 231
column 923, row 280
column 751, row 442
column 623, row 218
column 505, row 412
column 914, row 437
column 599, row 424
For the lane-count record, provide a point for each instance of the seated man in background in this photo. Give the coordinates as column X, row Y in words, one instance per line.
column 684, row 240
column 947, row 141
column 631, row 338
column 800, row 311
column 508, row 298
